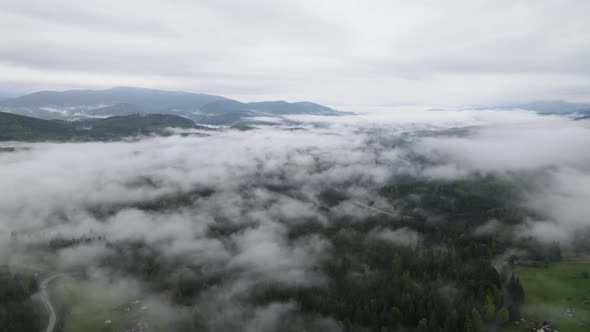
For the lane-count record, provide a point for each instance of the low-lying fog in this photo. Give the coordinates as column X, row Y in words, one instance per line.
column 262, row 182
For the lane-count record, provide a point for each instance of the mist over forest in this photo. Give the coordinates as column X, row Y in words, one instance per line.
column 294, row 166
column 357, row 222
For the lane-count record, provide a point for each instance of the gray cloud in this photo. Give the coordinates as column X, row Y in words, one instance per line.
column 402, row 236
column 243, row 174
column 340, row 52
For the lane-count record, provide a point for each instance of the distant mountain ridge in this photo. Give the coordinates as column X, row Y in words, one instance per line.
column 154, row 99
column 202, row 108
column 546, row 107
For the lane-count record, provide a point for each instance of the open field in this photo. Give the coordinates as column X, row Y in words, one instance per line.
column 90, row 303
column 559, row 293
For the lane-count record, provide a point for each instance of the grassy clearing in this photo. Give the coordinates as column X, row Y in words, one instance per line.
column 551, row 290
column 89, row 303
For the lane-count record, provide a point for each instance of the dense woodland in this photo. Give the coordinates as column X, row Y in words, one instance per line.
column 17, row 313
column 445, row 282
column 15, row 127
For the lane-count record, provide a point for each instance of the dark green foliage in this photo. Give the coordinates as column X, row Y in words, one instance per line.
column 422, row 325
column 22, row 128
column 16, row 309
column 445, row 283
column 515, row 297
column 368, row 280
column 468, row 202
column 135, row 124
column 503, row 316
column 515, row 290
column 476, row 320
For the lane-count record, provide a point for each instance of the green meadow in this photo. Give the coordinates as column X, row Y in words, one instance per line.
column 551, row 290
column 89, row 303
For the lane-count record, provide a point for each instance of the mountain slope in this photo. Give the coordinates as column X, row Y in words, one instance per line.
column 268, row 107
column 135, row 124
column 236, row 113
column 208, row 109
column 148, row 98
column 22, row 128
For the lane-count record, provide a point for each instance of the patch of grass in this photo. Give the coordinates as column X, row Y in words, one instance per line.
column 551, row 290
column 89, row 303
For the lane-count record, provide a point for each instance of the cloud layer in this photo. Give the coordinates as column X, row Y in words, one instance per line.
column 337, row 52
column 226, row 203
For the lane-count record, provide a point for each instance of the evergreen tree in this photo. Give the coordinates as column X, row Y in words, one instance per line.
column 422, row 325
column 503, row 316
column 476, row 319
column 396, row 317
column 489, row 308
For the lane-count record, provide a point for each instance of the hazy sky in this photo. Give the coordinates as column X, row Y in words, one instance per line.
column 332, row 51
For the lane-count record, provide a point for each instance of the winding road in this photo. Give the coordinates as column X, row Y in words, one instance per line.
column 47, row 301
column 44, row 294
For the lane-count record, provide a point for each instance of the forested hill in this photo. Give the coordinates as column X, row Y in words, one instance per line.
column 17, row 312
column 15, row 127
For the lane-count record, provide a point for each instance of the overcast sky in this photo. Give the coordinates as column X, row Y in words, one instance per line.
column 338, row 52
